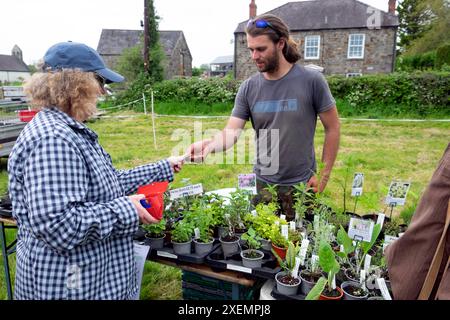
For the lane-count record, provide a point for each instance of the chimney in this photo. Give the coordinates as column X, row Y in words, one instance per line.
column 391, row 6
column 252, row 9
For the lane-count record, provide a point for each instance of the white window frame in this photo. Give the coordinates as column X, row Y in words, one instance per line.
column 318, row 47
column 362, row 46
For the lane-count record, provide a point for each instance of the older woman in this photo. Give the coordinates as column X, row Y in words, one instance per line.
column 74, row 210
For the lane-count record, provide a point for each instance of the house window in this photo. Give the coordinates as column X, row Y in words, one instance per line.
column 356, row 46
column 312, row 47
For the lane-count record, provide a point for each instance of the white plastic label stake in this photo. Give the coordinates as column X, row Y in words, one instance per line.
column 303, row 251
column 196, row 233
column 367, row 261
column 314, row 262
column 383, row 288
column 362, row 279
column 254, row 213
column 316, row 223
column 341, row 248
column 380, row 219
column 282, row 216
column 294, row 273
column 292, row 225
column 285, row 231
column 333, row 283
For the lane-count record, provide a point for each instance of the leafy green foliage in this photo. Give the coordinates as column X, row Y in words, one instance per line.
column 316, row 291
column 155, row 230
column 288, row 264
column 182, row 231
column 252, row 239
column 131, row 63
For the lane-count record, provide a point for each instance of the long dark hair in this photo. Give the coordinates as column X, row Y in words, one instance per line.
column 277, row 30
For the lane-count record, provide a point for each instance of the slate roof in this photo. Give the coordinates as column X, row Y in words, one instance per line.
column 327, row 14
column 223, row 59
column 12, row 63
column 114, row 41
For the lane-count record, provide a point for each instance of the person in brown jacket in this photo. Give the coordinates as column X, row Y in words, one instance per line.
column 418, row 262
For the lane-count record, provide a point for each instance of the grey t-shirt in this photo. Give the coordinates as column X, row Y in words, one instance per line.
column 284, row 115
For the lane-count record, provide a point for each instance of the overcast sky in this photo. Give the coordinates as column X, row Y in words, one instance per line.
column 208, row 25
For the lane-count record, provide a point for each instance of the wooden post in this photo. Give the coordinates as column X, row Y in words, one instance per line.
column 146, row 38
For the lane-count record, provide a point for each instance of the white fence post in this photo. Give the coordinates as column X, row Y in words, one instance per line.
column 153, row 120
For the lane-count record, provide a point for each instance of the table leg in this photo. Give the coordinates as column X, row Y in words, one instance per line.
column 5, row 260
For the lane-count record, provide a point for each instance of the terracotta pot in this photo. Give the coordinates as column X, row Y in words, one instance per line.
column 281, row 252
column 341, row 294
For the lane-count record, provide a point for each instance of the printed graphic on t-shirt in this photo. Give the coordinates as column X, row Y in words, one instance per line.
column 276, row 106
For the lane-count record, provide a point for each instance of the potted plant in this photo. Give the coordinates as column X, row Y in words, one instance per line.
column 263, row 222
column 204, row 242
column 182, row 237
column 287, row 280
column 155, row 234
column 252, row 257
column 238, row 209
column 325, row 288
column 229, row 240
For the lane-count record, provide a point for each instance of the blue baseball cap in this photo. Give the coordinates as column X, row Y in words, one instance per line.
column 73, row 55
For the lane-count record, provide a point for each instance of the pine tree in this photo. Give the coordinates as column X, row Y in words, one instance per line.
column 412, row 22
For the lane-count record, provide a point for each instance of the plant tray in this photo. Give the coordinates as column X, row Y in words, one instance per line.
column 269, row 268
column 279, row 296
column 167, row 253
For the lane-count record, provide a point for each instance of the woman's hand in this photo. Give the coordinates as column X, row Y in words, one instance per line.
column 176, row 163
column 144, row 216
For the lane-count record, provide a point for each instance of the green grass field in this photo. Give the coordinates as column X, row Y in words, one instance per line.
column 383, row 151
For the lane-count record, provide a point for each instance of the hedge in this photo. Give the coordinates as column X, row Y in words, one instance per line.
column 417, row 93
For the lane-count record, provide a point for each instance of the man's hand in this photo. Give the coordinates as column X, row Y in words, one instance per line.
column 176, row 163
column 199, row 150
column 317, row 186
column 144, row 216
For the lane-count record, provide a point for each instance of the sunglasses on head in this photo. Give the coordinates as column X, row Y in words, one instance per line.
column 262, row 24
column 101, row 80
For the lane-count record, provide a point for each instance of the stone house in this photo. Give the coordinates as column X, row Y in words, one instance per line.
column 178, row 62
column 220, row 66
column 12, row 67
column 344, row 37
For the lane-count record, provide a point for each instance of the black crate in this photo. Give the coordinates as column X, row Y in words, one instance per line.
column 198, row 287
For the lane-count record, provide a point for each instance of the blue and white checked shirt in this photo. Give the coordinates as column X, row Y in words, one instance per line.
column 76, row 224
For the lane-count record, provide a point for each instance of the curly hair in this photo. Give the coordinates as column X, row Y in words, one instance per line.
column 73, row 91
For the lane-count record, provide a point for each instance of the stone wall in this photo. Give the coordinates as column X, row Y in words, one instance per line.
column 379, row 55
column 180, row 63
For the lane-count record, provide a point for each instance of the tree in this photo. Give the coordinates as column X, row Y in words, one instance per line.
column 156, row 53
column 131, row 63
column 433, row 25
column 411, row 22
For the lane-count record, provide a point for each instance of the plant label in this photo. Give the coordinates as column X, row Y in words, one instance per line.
column 333, row 283
column 247, row 182
column 303, row 251
column 388, row 240
column 196, row 233
column 314, row 262
column 292, row 225
column 380, row 219
column 186, row 191
column 277, row 222
column 362, row 279
column 367, row 261
column 360, row 229
column 294, row 273
column 285, row 231
column 316, row 223
column 341, row 248
column 254, row 213
column 383, row 288
column 397, row 193
column 166, row 254
column 357, row 185
column 238, row 268
column 283, row 217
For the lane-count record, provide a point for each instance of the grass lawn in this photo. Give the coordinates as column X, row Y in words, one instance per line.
column 383, row 151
